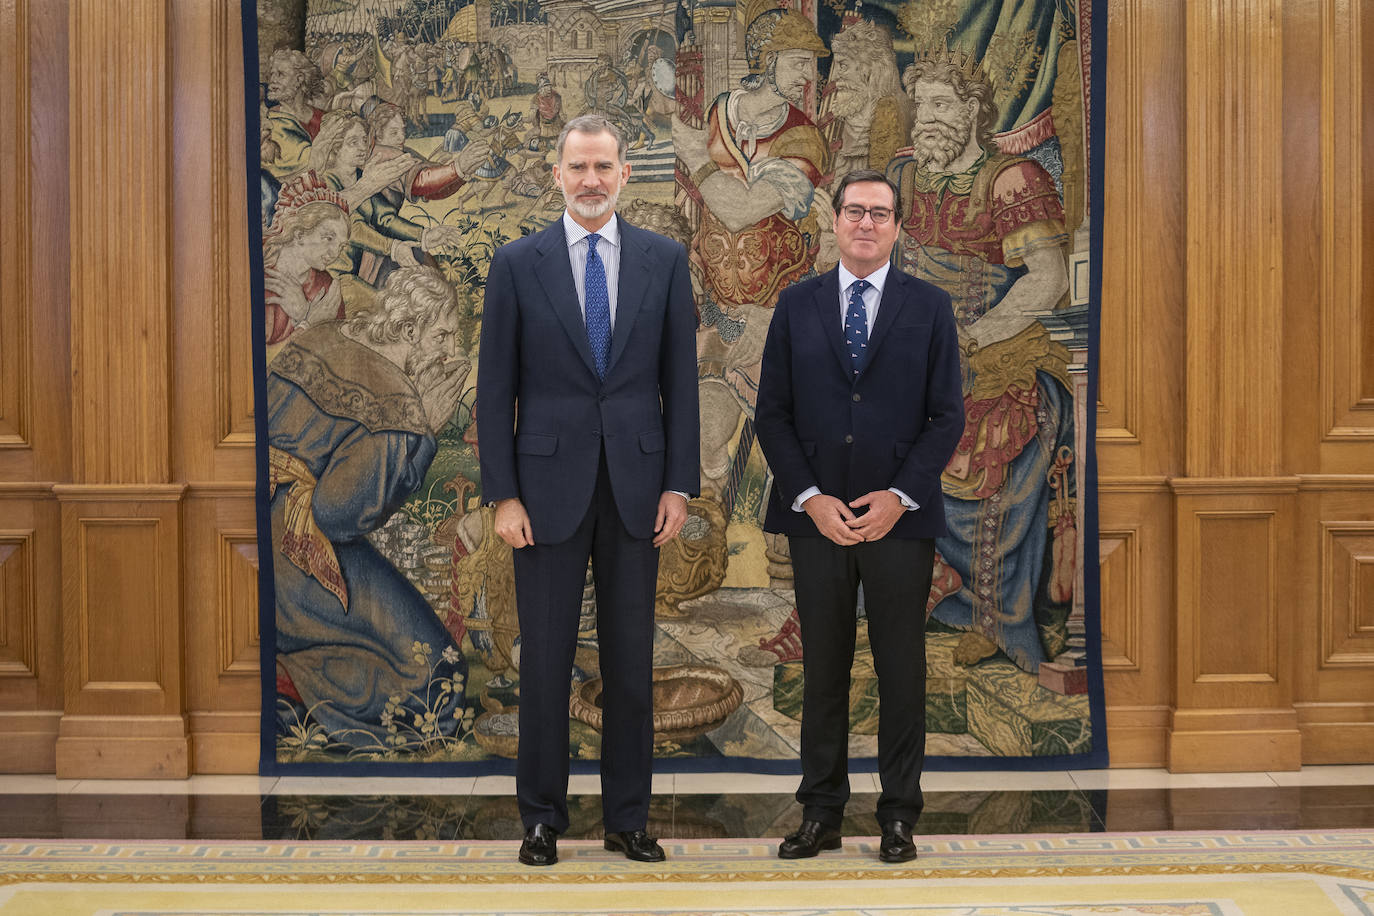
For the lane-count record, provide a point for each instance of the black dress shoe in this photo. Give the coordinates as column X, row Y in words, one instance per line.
column 897, row 845
column 810, row 838
column 636, row 845
column 540, row 846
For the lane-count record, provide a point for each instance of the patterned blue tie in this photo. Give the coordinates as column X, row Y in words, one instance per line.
column 598, row 307
column 856, row 326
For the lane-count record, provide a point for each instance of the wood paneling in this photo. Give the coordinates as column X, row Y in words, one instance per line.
column 1347, row 157
column 18, row 604
column 1234, row 238
column 1346, row 624
column 1140, row 372
column 1119, row 575
column 16, row 375
column 121, row 302
column 122, row 633
column 212, row 433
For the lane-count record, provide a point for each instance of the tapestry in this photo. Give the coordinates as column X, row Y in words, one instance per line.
column 396, row 144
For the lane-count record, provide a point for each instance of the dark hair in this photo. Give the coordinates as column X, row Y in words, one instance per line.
column 865, row 175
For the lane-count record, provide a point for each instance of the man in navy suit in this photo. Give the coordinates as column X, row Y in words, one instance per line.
column 587, row 384
column 859, row 408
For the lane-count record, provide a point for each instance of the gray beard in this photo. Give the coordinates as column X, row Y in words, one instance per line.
column 936, row 153
column 853, row 106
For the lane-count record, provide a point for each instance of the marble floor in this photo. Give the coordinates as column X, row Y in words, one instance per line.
column 684, row 805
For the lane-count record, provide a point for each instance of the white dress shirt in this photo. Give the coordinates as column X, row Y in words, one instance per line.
column 872, row 297
column 608, row 248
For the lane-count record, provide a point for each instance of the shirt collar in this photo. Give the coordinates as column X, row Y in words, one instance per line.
column 575, row 231
column 875, row 279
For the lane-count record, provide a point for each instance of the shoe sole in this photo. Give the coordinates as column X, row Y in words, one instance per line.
column 836, row 843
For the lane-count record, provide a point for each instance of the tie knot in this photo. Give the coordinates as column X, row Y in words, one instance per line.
column 860, row 285
column 592, row 239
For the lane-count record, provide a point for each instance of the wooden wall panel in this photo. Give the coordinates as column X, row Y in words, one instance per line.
column 1234, row 238
column 1347, row 158
column 212, row 433
column 121, row 298
column 1346, row 623
column 1142, row 320
column 35, row 410
column 18, row 603
column 1137, row 566
column 222, row 633
column 212, row 430
column 16, row 375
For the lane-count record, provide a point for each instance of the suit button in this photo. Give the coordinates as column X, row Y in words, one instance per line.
column 856, row 397
column 848, row 438
column 597, row 433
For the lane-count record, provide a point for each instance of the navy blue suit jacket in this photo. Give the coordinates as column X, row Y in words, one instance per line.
column 544, row 415
column 895, row 425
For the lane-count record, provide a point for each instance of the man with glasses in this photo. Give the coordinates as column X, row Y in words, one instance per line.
column 859, row 409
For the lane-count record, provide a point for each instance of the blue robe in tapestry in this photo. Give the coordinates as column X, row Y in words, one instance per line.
column 367, row 671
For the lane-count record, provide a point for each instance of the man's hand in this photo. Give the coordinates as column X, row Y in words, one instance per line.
column 440, row 236
column 440, row 391
column 833, row 519
column 672, row 515
column 884, row 508
column 513, row 523
column 471, row 157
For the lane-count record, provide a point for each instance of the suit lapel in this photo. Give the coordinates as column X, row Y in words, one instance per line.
column 554, row 271
column 894, row 298
column 827, row 303
column 635, row 268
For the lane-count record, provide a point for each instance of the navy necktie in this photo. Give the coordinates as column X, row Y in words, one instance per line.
column 598, row 307
column 856, row 326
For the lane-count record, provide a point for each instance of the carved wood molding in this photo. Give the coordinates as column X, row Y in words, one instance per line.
column 1120, row 562
column 1346, row 574
column 120, row 296
column 1347, row 314
column 1234, row 229
column 229, row 244
column 18, row 604
column 16, row 299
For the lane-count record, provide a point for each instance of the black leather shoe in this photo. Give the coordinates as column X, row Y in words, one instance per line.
column 897, row 845
column 540, row 846
column 636, row 845
column 810, row 838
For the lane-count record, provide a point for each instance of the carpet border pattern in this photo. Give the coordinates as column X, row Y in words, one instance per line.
column 1343, row 854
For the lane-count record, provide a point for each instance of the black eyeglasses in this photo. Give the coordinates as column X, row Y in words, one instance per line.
column 854, row 213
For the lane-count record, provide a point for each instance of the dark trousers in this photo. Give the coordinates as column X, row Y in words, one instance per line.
column 549, row 579
column 896, row 576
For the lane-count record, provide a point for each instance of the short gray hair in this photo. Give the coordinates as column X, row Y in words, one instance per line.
column 593, row 123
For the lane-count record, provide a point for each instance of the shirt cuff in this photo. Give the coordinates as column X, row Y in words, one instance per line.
column 906, row 500
column 803, row 497
column 682, row 494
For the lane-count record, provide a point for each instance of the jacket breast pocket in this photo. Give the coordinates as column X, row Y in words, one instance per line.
column 536, row 444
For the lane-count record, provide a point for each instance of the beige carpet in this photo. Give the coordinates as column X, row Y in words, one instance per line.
column 1275, row 873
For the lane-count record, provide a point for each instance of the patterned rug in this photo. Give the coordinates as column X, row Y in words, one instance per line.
column 1276, row 873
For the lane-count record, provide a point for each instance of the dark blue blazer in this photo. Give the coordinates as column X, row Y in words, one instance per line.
column 896, row 425
column 544, row 415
